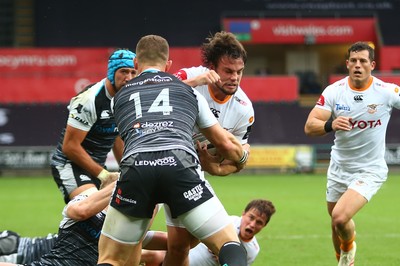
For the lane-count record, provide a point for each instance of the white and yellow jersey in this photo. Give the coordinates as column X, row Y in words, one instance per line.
column 369, row 110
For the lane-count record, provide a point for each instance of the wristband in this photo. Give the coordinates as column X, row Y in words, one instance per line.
column 103, row 175
column 244, row 157
column 328, row 126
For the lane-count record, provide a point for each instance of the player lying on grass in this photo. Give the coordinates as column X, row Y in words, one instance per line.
column 77, row 240
column 255, row 217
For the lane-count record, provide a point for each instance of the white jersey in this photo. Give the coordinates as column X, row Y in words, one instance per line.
column 235, row 114
column 200, row 255
column 370, row 109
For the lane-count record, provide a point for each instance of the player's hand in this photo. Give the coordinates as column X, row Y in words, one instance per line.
column 209, row 163
column 209, row 77
column 342, row 123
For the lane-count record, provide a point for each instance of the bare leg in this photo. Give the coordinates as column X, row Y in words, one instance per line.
column 179, row 240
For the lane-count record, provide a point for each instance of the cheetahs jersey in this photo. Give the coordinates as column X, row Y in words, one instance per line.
column 200, row 255
column 369, row 110
column 235, row 114
column 90, row 111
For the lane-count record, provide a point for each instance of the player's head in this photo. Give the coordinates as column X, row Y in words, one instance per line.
column 222, row 44
column 153, row 51
column 255, row 217
column 361, row 46
column 224, row 54
column 360, row 63
column 121, row 58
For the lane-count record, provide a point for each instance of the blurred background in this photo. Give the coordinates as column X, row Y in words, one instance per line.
column 50, row 50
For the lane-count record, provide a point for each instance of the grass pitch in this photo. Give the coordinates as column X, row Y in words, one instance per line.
column 298, row 233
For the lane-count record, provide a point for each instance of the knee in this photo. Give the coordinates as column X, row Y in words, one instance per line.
column 339, row 220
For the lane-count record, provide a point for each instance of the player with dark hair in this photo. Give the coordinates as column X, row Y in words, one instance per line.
column 78, row 162
column 218, row 80
column 357, row 109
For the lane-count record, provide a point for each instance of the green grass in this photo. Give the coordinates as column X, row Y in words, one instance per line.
column 298, row 234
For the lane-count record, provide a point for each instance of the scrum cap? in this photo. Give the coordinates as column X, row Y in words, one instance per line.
column 120, row 58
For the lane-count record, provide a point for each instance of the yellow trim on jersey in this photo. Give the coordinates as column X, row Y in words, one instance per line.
column 215, row 99
column 362, row 89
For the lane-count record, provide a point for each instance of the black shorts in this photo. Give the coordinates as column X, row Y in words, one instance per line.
column 173, row 177
column 70, row 176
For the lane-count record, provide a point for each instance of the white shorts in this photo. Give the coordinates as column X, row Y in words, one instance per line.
column 203, row 221
column 365, row 181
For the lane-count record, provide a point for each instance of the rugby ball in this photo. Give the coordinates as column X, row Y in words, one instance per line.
column 204, row 142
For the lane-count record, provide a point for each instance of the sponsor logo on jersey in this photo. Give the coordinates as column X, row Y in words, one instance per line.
column 240, row 101
column 150, row 127
column 77, row 118
column 105, row 114
column 246, row 136
column 105, row 130
column 194, row 193
column 166, row 161
column 84, row 178
column 358, row 98
column 155, row 79
column 362, row 124
column 215, row 112
column 119, row 198
column 342, row 107
column 181, row 74
column 79, row 108
column 321, row 100
column 90, row 230
column 373, row 108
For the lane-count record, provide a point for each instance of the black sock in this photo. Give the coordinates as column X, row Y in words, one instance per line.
column 232, row 254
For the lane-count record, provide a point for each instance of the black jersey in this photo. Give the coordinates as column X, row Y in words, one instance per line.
column 77, row 242
column 155, row 111
column 90, row 111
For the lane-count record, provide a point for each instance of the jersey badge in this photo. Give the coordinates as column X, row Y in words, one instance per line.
column 105, row 114
column 358, row 98
column 321, row 100
column 373, row 108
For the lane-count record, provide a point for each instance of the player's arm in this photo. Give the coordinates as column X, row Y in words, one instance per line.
column 216, row 165
column 118, row 149
column 226, row 144
column 95, row 203
column 73, row 149
column 318, row 123
column 205, row 78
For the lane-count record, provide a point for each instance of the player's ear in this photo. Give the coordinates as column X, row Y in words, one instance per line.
column 168, row 65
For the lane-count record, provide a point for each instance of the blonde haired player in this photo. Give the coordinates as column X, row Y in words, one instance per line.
column 360, row 106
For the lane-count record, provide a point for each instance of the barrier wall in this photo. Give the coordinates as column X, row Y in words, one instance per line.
column 55, row 75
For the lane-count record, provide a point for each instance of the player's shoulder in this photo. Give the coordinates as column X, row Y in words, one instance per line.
column 242, row 99
column 380, row 84
column 338, row 85
column 89, row 93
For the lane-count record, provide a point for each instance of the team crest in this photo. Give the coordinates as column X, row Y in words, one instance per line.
column 372, row 108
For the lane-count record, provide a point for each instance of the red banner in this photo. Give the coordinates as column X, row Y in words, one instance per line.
column 56, row 75
column 304, row 30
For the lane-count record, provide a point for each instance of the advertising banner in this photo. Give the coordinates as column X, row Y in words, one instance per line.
column 281, row 157
column 54, row 75
column 302, row 30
